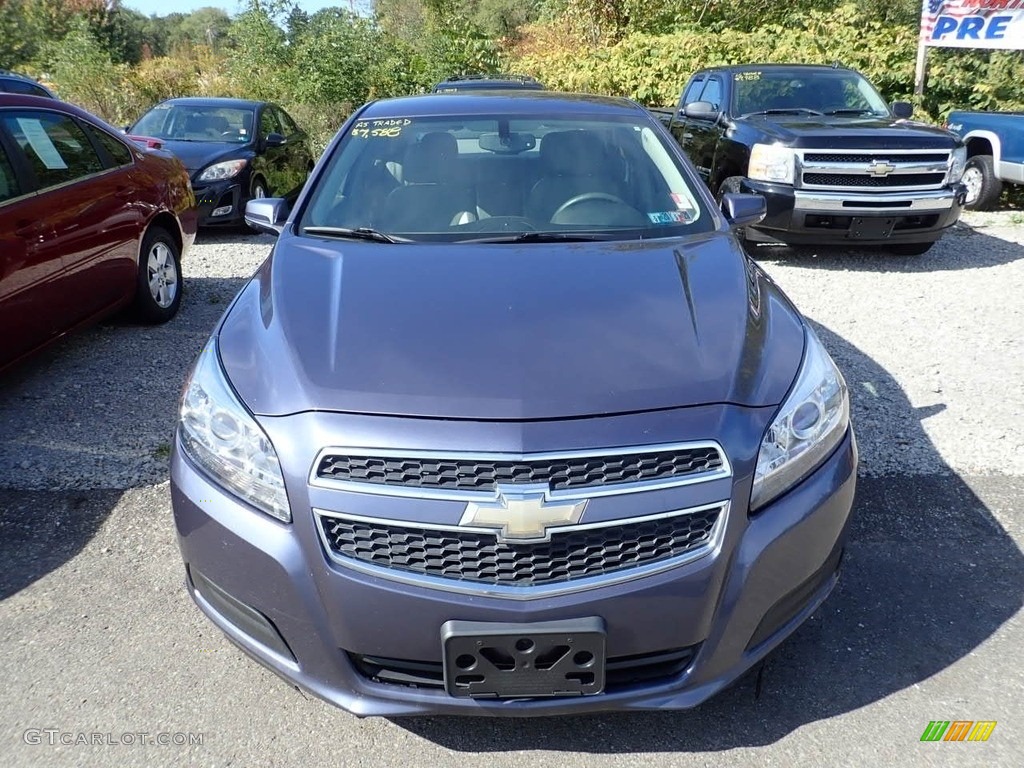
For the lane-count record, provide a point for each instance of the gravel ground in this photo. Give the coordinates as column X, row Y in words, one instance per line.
column 941, row 332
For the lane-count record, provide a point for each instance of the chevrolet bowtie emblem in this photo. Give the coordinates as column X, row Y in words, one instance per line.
column 522, row 513
column 881, row 168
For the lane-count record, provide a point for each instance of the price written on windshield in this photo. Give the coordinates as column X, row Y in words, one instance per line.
column 382, row 129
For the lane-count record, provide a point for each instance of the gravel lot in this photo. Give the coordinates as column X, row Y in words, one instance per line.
column 941, row 332
column 97, row 634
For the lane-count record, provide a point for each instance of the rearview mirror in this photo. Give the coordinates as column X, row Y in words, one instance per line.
column 507, row 144
column 902, row 109
column 701, row 110
column 741, row 209
column 267, row 214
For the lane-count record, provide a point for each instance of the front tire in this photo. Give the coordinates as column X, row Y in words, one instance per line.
column 159, row 285
column 257, row 191
column 732, row 185
column 983, row 188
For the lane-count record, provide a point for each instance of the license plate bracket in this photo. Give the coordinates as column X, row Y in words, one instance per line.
column 871, row 227
column 492, row 660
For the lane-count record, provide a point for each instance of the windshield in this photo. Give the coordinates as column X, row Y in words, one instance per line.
column 177, row 122
column 479, row 178
column 821, row 91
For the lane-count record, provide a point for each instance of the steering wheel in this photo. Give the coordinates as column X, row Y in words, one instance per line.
column 586, row 197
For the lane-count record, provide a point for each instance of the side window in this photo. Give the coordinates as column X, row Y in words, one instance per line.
column 118, row 152
column 268, row 123
column 713, row 92
column 8, row 184
column 54, row 145
column 290, row 128
column 692, row 90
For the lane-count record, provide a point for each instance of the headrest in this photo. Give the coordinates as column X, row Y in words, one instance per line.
column 572, row 153
column 430, row 159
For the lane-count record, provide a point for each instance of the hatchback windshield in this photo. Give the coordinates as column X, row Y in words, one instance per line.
column 478, row 178
column 178, row 122
column 820, row 91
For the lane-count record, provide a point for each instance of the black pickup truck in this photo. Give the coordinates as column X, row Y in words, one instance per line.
column 836, row 164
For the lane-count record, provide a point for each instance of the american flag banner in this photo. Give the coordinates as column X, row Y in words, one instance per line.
column 973, row 23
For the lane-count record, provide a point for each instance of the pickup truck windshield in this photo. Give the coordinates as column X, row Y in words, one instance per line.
column 493, row 178
column 796, row 91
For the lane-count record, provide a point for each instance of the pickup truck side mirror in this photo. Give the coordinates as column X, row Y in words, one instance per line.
column 742, row 209
column 701, row 110
column 902, row 109
column 267, row 214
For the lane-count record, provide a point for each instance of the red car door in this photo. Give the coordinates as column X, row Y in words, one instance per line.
column 86, row 209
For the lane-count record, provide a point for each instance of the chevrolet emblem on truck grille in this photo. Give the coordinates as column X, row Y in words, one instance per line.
column 522, row 513
column 881, row 168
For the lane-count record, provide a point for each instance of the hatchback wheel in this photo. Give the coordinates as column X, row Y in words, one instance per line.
column 158, row 291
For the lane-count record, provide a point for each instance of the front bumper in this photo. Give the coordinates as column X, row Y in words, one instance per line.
column 271, row 588
column 220, row 202
column 818, row 217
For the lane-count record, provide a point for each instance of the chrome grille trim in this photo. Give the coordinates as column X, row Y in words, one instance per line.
column 905, row 162
column 710, row 548
column 584, row 492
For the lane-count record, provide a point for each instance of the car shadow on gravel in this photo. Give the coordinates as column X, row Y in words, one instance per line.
column 232, row 236
column 961, row 248
column 930, row 574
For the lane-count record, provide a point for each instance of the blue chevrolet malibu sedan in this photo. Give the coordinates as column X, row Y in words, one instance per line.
column 508, row 424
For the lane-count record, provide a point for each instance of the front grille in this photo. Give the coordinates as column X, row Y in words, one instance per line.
column 620, row 672
column 468, row 474
column 863, row 180
column 822, row 157
column 480, row 558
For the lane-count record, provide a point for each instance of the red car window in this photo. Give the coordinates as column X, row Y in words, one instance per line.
column 8, row 184
column 55, row 146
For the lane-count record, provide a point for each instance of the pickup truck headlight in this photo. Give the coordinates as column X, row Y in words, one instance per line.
column 771, row 162
column 220, row 436
column 809, row 425
column 957, row 163
column 220, row 171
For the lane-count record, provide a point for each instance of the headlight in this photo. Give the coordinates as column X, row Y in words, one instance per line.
column 220, row 436
column 226, row 170
column 808, row 426
column 771, row 162
column 957, row 163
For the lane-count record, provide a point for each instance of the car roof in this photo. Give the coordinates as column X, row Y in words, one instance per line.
column 761, row 67
column 214, row 101
column 9, row 75
column 8, row 100
column 475, row 103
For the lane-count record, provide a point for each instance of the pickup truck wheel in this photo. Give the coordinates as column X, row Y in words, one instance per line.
column 983, row 188
column 910, row 249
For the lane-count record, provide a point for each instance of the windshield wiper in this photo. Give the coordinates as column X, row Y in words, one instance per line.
column 359, row 233
column 542, row 237
column 786, row 111
column 851, row 112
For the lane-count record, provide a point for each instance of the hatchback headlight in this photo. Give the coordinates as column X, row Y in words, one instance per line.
column 809, row 425
column 220, row 171
column 957, row 163
column 771, row 162
column 220, row 435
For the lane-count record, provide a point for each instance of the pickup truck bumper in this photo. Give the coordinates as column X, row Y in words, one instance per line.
column 815, row 217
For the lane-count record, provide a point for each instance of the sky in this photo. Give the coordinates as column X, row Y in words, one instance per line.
column 164, row 7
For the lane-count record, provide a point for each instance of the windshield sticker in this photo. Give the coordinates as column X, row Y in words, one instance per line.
column 670, row 217
column 41, row 144
column 744, row 76
column 380, row 129
column 683, row 203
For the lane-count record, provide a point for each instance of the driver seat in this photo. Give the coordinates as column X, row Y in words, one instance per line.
column 573, row 163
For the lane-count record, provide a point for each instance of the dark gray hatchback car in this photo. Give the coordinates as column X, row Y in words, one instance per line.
column 508, row 424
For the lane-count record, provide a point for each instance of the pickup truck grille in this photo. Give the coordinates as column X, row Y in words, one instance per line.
column 857, row 170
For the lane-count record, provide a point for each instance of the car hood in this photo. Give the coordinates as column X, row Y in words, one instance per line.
column 854, row 132
column 538, row 331
column 199, row 154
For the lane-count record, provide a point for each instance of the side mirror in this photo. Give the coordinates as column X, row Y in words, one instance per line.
column 902, row 109
column 741, row 209
column 267, row 214
column 701, row 110
column 274, row 140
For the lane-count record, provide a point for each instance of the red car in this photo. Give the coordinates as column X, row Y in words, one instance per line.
column 89, row 224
